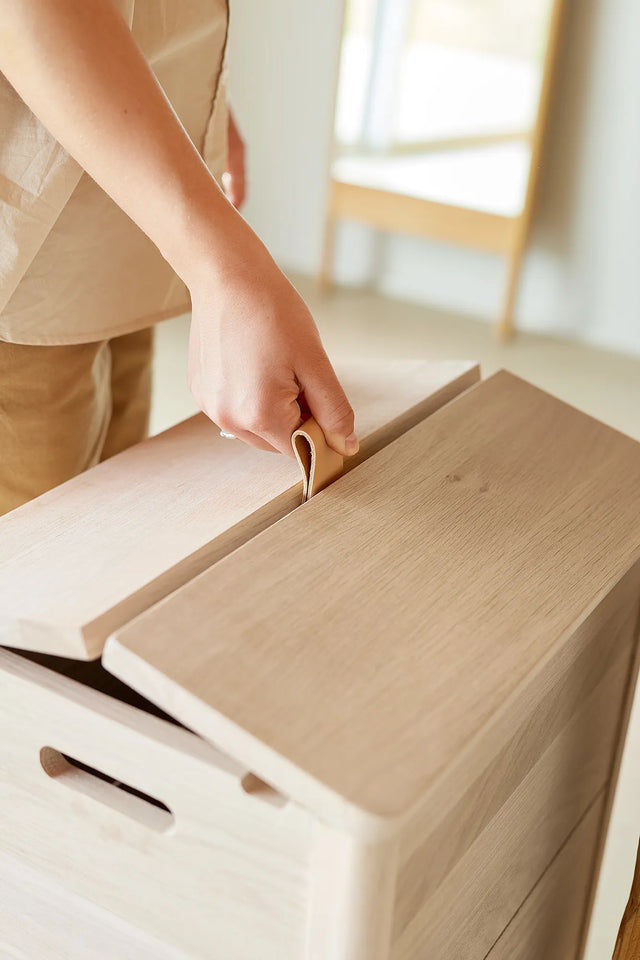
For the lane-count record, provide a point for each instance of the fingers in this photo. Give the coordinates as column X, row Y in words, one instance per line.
column 283, row 419
column 253, row 441
column 235, row 184
column 235, row 189
column 267, row 425
column 242, row 428
column 238, row 191
column 329, row 405
column 260, row 403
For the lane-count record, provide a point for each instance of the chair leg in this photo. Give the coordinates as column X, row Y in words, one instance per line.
column 324, row 279
column 505, row 328
column 628, row 942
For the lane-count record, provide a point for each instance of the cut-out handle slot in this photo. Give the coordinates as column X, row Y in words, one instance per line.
column 122, row 797
column 256, row 787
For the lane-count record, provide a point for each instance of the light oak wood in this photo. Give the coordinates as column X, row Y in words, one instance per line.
column 462, row 557
column 506, row 326
column 40, row 920
column 499, row 230
column 84, row 558
column 351, row 896
column 400, row 148
column 547, row 926
column 455, row 814
column 417, row 683
column 466, row 912
column 628, row 940
column 627, row 700
column 395, row 212
column 324, row 278
column 225, row 877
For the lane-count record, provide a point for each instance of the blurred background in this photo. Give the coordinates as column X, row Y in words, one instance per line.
column 414, row 70
column 454, row 179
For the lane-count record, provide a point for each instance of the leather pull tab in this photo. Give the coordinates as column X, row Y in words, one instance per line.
column 320, row 464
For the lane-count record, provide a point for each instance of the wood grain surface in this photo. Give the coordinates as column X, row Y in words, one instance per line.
column 351, row 895
column 221, row 874
column 437, row 837
column 41, row 920
column 628, row 940
column 466, row 912
column 84, row 558
column 353, row 652
column 548, row 925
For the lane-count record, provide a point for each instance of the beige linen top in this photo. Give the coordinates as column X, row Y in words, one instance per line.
column 73, row 267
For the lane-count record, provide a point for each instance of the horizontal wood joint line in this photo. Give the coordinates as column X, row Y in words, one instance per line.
column 561, row 850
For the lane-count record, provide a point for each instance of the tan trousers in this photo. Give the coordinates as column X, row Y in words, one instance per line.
column 65, row 408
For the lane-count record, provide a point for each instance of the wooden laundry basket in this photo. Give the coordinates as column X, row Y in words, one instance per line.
column 380, row 726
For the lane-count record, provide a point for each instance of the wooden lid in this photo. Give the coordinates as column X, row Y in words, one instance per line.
column 81, row 560
column 349, row 653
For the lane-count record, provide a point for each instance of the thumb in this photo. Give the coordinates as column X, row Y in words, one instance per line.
column 328, row 404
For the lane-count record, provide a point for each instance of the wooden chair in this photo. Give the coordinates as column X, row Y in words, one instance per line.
column 402, row 192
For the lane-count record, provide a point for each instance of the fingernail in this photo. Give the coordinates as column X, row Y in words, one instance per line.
column 351, row 444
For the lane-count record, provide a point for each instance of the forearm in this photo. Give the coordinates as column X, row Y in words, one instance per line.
column 254, row 347
column 76, row 65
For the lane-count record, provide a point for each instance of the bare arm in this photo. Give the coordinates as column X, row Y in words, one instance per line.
column 76, row 65
column 254, row 346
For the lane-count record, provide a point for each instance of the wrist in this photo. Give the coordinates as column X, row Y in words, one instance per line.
column 195, row 241
column 219, row 249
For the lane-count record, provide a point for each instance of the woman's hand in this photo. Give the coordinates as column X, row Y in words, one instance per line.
column 255, row 354
column 256, row 362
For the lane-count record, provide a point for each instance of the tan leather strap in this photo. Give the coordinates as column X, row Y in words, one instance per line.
column 320, row 464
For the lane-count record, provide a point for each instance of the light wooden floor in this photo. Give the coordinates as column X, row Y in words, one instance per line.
column 606, row 385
